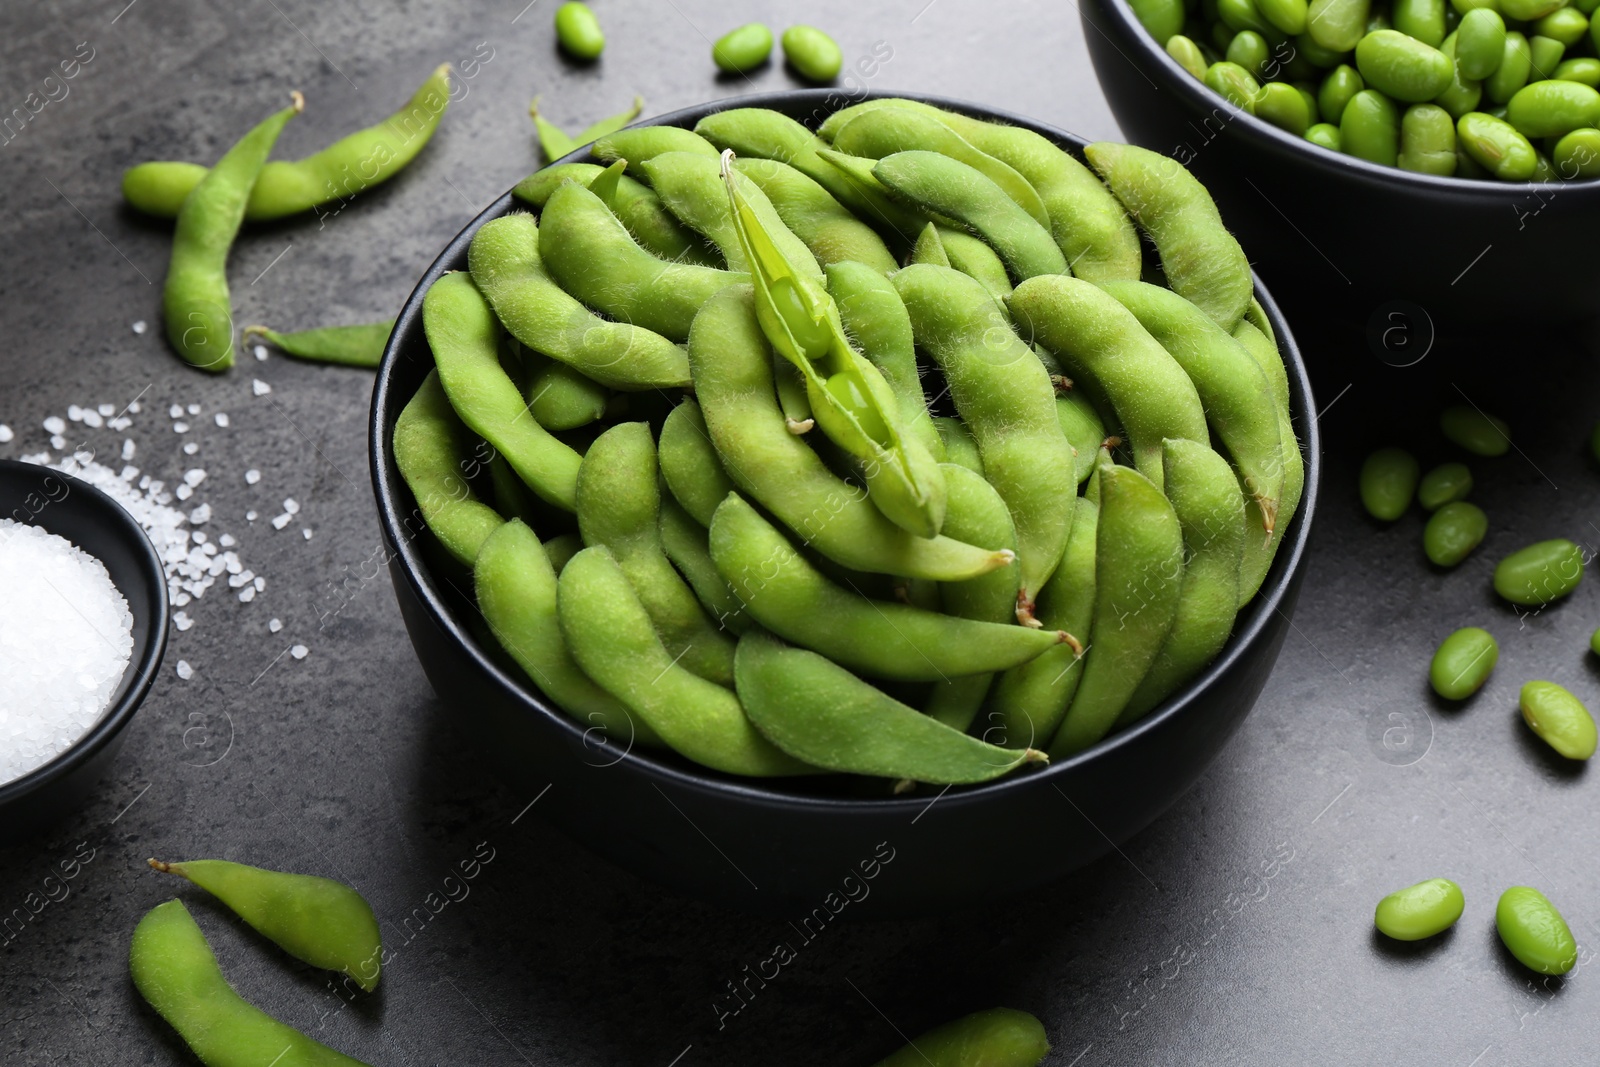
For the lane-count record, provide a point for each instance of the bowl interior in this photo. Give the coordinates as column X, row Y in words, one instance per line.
column 443, row 587
column 91, row 520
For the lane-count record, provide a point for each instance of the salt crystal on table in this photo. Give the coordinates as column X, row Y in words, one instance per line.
column 5, row 433
column 227, row 541
column 260, row 584
column 198, row 537
column 247, row 595
column 128, row 448
column 175, row 411
column 250, row 516
column 260, row 352
column 280, row 521
column 66, row 635
column 252, row 476
column 306, row 533
column 299, row 651
column 194, row 476
column 92, row 419
column 291, row 505
column 74, row 413
column 194, row 409
column 180, row 427
column 190, row 449
column 58, row 442
column 108, row 410
column 185, row 492
column 259, row 387
column 222, row 418
column 54, row 424
column 181, row 620
column 135, row 407
column 184, row 670
column 139, row 326
column 275, row 625
column 200, row 515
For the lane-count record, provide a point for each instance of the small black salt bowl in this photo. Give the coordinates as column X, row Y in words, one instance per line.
column 91, row 520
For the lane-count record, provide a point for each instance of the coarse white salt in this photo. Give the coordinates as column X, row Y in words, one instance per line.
column 194, row 409
column 74, row 413
column 291, row 505
column 280, row 521
column 57, row 441
column 54, row 424
column 306, row 533
column 259, row 387
column 250, row 516
column 184, row 670
column 92, row 418
column 247, row 594
column 5, row 433
column 275, row 625
column 252, row 476
column 222, row 418
column 107, row 410
column 227, row 541
column 134, row 407
column 299, row 651
column 260, row 584
column 181, row 620
column 200, row 515
column 175, row 411
column 185, row 492
column 180, row 427
column 260, row 352
column 139, row 327
column 194, row 476
column 128, row 448
column 66, row 636
column 191, row 448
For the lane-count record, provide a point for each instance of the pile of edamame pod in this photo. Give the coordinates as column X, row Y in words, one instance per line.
column 864, row 450
column 1501, row 89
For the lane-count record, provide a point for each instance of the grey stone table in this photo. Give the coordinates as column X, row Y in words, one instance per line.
column 1235, row 930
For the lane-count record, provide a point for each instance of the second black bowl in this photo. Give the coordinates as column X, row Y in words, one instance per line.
column 773, row 846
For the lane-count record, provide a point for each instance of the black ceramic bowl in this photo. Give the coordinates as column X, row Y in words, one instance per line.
column 778, row 847
column 1343, row 238
column 76, row 510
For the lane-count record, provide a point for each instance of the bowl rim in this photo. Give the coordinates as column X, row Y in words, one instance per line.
column 1285, row 144
column 389, row 490
column 116, row 717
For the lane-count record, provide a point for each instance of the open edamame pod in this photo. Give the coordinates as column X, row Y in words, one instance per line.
column 346, row 167
column 819, row 712
column 195, row 303
column 505, row 263
column 592, row 256
column 464, row 335
column 353, row 346
column 1098, row 340
column 322, row 922
column 515, row 581
column 827, row 227
column 175, row 971
column 792, row 598
column 432, row 451
column 619, row 506
column 694, row 189
column 1005, row 397
column 1234, row 393
column 635, row 205
column 848, row 396
column 1201, row 259
column 1138, row 586
column 1205, row 496
column 732, row 366
column 611, row 637
column 998, row 1037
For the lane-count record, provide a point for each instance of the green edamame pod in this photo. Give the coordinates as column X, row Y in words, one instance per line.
column 1388, row 479
column 959, row 446
column 1463, row 663
column 826, row 226
column 687, row 545
column 1427, row 140
column 1540, row 573
column 640, row 144
column 1188, row 54
column 1534, row 931
column 505, row 262
column 1403, row 67
column 1337, row 25
column 1553, row 108
column 1161, row 18
column 1258, row 556
column 732, row 367
column 1420, row 911
column 1201, row 259
column 432, row 452
column 177, row 974
column 1342, row 83
column 619, row 506
column 1463, row 95
column 871, row 311
column 851, row 401
column 1326, row 136
column 1205, row 496
column 886, row 131
column 788, row 595
column 1480, row 43
column 346, row 167
column 553, row 140
column 1282, row 105
column 611, row 637
column 1099, row 340
column 1453, row 532
column 1006, row 399
column 690, row 464
column 515, row 582
column 1370, row 128
column 562, row 548
column 634, row 203
column 1234, row 84
column 317, row 920
column 1233, row 390
column 560, row 398
column 1421, row 19
column 999, row 1037
column 1516, row 63
column 974, row 258
column 1445, row 483
column 1084, row 430
column 464, row 336
column 1138, row 584
column 950, row 188
column 930, row 247
column 693, row 189
column 578, row 31
column 352, row 346
column 1287, row 16
column 813, row 54
column 742, row 49
column 194, row 299
column 1577, row 155
column 1495, row 145
column 1030, row 699
column 1559, row 718
column 591, row 256
column 511, row 498
column 819, row 712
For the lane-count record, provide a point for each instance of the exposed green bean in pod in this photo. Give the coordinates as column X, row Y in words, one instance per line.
column 1558, row 718
column 1445, row 483
column 578, row 31
column 1475, row 430
column 1388, row 480
column 1541, row 573
column 1463, row 663
column 1453, row 532
column 1420, row 911
column 742, row 49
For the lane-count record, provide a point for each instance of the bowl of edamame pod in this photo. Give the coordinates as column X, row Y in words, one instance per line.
column 1378, row 157
column 678, row 531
